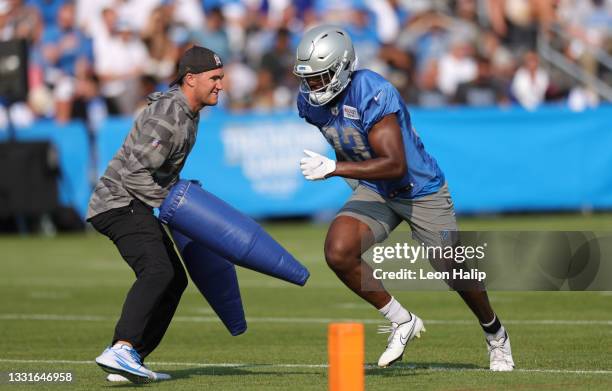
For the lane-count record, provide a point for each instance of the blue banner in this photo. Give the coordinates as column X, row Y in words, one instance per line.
column 495, row 160
column 499, row 160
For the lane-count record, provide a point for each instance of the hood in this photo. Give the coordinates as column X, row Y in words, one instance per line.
column 173, row 93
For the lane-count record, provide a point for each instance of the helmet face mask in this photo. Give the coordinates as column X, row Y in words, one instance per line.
column 320, row 87
column 324, row 62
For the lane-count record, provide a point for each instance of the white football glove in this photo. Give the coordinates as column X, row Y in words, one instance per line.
column 315, row 167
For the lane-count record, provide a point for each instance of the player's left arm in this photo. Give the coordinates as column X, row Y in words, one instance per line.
column 386, row 141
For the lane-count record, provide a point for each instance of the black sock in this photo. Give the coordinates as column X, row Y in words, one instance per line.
column 492, row 328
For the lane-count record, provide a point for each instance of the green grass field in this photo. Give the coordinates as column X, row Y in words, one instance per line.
column 60, row 298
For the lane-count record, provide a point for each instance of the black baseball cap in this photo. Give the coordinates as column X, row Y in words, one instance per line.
column 197, row 59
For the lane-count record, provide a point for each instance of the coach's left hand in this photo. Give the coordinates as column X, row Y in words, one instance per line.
column 315, row 166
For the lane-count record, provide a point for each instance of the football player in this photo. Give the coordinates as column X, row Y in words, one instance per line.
column 367, row 123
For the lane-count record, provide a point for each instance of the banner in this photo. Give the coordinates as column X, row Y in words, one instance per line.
column 495, row 160
column 500, row 160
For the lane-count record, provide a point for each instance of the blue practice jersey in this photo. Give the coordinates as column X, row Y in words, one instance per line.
column 347, row 122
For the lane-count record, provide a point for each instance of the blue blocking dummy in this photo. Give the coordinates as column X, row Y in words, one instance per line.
column 211, row 222
column 216, row 279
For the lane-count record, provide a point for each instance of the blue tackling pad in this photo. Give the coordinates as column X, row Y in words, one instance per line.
column 216, row 279
column 209, row 221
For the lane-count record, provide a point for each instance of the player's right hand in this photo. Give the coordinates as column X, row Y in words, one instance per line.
column 316, row 166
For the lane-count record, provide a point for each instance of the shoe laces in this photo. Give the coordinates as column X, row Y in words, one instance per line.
column 497, row 349
column 134, row 355
column 386, row 329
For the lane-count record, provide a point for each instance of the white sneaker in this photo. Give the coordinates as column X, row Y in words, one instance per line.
column 125, row 361
column 500, row 354
column 113, row 377
column 401, row 334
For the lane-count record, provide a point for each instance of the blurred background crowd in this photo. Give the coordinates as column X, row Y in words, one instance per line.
column 91, row 59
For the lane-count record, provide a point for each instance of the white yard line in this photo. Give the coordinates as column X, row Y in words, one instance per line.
column 208, row 319
column 440, row 368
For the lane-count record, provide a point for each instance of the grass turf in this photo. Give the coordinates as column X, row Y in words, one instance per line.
column 61, row 297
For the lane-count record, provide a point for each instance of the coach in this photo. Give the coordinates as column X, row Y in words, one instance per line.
column 137, row 179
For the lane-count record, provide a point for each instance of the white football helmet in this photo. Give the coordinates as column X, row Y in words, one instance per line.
column 325, row 60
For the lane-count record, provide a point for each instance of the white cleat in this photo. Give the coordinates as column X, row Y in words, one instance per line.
column 500, row 354
column 401, row 334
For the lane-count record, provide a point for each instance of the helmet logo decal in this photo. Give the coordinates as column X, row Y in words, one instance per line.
column 303, row 68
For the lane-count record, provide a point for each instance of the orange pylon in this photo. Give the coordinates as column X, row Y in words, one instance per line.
column 345, row 346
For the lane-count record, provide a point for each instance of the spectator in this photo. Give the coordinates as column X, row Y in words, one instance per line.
column 21, row 21
column 517, row 22
column 388, row 17
column 163, row 53
column 428, row 93
column 258, row 39
column 67, row 54
column 188, row 13
column 279, row 13
column 120, row 64
column 333, row 11
column 214, row 35
column 361, row 28
column 465, row 25
column 48, row 9
column 427, row 49
column 398, row 69
column 279, row 60
column 456, row 67
column 589, row 24
column 263, row 96
column 426, row 36
column 485, row 90
column 89, row 15
column 134, row 13
column 530, row 82
column 240, row 82
column 235, row 15
column 6, row 32
column 581, row 97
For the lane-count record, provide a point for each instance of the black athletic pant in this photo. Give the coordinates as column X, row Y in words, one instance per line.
column 160, row 277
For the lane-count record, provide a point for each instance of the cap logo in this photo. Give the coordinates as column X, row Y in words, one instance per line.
column 217, row 60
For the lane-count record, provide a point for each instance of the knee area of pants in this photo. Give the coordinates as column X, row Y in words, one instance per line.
column 340, row 255
column 162, row 275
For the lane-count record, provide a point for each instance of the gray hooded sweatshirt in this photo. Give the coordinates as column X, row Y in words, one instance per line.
column 151, row 157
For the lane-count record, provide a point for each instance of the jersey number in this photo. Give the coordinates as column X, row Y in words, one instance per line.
column 347, row 141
